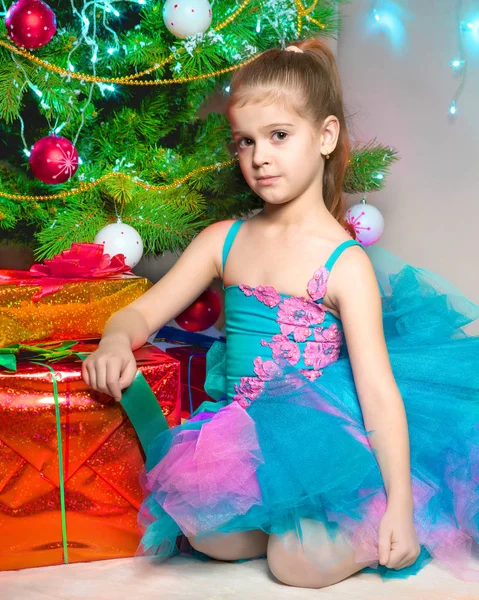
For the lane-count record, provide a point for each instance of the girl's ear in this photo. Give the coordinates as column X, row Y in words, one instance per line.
column 330, row 134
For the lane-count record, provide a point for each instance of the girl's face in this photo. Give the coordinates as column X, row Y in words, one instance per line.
column 279, row 151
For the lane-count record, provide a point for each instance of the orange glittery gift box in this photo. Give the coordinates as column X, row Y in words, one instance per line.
column 78, row 310
column 102, row 458
column 68, row 297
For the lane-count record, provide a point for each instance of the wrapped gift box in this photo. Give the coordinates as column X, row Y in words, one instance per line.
column 68, row 297
column 103, row 462
column 193, row 373
column 190, row 349
column 78, row 310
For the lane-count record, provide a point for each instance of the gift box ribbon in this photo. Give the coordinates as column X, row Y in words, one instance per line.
column 138, row 401
column 80, row 262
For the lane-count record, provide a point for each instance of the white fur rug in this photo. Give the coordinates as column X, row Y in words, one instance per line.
column 182, row 579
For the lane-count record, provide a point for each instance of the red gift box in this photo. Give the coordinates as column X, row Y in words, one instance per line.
column 102, row 462
column 192, row 359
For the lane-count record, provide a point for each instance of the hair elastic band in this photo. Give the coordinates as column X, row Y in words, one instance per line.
column 294, row 49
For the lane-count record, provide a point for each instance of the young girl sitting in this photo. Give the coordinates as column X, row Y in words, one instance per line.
column 345, row 434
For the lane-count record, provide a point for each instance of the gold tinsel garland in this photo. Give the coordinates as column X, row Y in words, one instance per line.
column 147, row 186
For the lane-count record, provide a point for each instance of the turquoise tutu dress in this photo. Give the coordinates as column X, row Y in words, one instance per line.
column 285, row 439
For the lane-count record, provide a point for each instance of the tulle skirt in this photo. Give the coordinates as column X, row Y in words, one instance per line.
column 300, row 452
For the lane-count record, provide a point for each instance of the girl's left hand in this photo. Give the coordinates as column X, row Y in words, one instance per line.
column 398, row 542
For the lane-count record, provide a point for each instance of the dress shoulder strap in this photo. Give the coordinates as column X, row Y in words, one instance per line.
column 338, row 251
column 229, row 239
column 334, row 257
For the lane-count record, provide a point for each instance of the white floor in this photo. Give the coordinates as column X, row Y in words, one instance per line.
column 182, row 579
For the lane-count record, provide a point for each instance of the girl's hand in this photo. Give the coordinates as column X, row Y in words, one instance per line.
column 398, row 542
column 110, row 369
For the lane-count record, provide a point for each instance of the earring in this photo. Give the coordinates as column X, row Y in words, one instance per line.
column 327, row 156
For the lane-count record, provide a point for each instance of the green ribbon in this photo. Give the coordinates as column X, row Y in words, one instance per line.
column 138, row 401
column 49, row 351
column 60, row 460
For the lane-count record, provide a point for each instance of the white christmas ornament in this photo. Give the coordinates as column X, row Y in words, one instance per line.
column 367, row 222
column 187, row 17
column 119, row 238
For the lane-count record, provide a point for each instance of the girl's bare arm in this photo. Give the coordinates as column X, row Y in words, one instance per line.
column 194, row 271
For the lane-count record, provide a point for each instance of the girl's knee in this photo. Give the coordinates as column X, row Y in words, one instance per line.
column 233, row 546
column 291, row 566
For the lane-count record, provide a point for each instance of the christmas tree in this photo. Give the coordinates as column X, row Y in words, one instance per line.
column 101, row 120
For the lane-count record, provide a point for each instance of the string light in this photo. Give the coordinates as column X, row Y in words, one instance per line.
column 459, row 65
column 58, row 129
column 389, row 20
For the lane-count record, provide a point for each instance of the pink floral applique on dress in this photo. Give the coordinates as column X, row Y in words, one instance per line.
column 267, row 369
column 284, row 350
column 330, row 334
column 248, row 390
column 311, row 374
column 324, row 350
column 320, row 355
column 296, row 315
column 266, row 294
column 317, row 286
column 246, row 289
column 250, row 387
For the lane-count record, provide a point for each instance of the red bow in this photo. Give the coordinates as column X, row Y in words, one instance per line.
column 80, row 262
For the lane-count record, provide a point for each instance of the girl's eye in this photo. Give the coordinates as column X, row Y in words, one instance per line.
column 246, row 142
column 242, row 142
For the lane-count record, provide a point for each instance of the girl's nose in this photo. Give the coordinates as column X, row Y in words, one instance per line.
column 260, row 155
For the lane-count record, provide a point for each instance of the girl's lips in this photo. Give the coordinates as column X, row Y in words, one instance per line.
column 268, row 180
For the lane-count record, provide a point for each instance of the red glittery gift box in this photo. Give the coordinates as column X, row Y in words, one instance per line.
column 102, row 459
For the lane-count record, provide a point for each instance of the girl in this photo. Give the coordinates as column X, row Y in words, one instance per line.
column 344, row 436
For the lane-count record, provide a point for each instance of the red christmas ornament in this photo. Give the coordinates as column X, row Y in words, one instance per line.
column 203, row 313
column 53, row 159
column 30, row 23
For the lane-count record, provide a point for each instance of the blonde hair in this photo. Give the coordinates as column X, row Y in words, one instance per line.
column 314, row 73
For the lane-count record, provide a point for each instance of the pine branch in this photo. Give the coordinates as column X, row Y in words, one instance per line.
column 12, row 90
column 368, row 167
